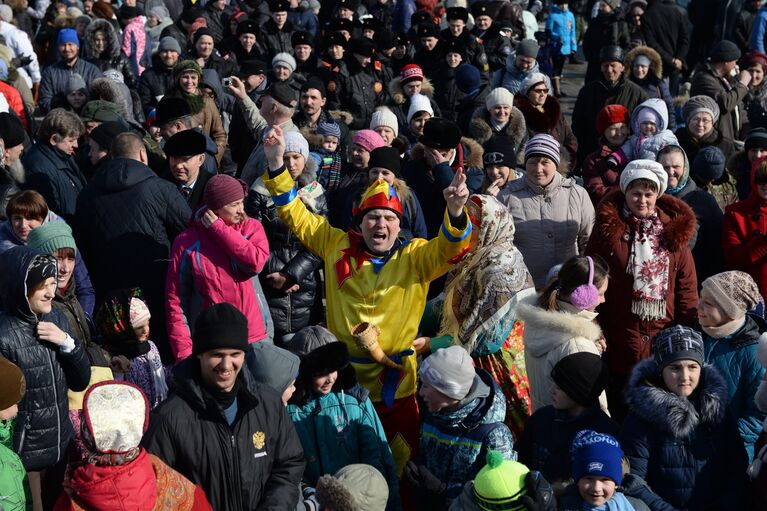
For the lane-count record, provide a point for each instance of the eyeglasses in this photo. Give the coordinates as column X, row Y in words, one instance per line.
column 541, row 91
column 705, row 121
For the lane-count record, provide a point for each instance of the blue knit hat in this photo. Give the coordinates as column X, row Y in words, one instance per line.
column 709, row 164
column 467, row 78
column 596, row 454
column 330, row 129
column 68, row 35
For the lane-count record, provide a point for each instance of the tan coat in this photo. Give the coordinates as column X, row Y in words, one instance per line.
column 209, row 120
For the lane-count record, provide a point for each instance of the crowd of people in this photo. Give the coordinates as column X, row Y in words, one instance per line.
column 356, row 255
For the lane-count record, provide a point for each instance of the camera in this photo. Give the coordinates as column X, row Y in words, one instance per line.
column 226, row 82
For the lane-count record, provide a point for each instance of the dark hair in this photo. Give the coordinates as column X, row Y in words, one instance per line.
column 573, row 273
column 29, row 204
column 648, row 184
column 760, row 172
column 64, row 253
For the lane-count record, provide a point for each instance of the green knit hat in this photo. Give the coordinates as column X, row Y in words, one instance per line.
column 186, row 65
column 51, row 236
column 500, row 484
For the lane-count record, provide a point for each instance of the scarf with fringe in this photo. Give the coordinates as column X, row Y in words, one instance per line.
column 648, row 263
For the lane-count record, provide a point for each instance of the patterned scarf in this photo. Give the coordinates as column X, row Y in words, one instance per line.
column 486, row 282
column 648, row 263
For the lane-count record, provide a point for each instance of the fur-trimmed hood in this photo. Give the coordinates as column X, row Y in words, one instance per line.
column 481, row 130
column 398, row 95
column 113, row 45
column 678, row 220
column 106, row 89
column 535, row 120
column 545, row 330
column 472, row 154
column 656, row 64
column 675, row 415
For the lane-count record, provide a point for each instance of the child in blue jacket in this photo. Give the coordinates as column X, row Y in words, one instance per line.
column 561, row 23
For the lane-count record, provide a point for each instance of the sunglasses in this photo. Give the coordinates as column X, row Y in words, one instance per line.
column 541, row 91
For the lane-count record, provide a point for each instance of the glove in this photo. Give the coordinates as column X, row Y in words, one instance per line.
column 21, row 61
column 612, row 163
column 421, row 479
column 539, row 496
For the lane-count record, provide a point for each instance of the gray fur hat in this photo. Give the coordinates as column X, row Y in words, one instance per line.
column 356, row 487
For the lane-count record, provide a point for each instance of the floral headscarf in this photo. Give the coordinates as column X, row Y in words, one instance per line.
column 481, row 290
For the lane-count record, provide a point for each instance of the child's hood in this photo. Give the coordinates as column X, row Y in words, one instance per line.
column 656, row 105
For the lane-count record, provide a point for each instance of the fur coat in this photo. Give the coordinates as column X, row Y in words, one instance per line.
column 550, row 121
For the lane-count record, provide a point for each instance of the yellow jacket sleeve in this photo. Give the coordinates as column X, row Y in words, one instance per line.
column 438, row 255
column 314, row 231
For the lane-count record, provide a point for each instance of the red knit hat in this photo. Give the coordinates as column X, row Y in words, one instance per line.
column 753, row 57
column 611, row 114
column 222, row 189
column 410, row 72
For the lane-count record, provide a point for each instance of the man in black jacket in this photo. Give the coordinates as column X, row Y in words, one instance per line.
column 222, row 430
column 186, row 155
column 665, row 29
column 125, row 221
column 157, row 80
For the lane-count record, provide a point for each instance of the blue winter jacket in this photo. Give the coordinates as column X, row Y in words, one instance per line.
column 759, row 30
column 735, row 357
column 688, row 450
column 562, row 26
column 340, row 429
column 511, row 78
column 454, row 444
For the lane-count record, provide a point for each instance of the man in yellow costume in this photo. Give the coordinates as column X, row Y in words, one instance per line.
column 376, row 283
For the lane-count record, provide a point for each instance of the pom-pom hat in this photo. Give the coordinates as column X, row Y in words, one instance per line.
column 500, row 484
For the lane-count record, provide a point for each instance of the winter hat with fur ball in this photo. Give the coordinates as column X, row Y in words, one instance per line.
column 356, row 487
column 735, row 292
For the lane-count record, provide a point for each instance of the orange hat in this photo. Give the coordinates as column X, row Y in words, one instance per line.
column 379, row 195
column 611, row 114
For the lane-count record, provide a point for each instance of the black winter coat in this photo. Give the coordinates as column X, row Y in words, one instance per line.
column 362, row 91
column 56, row 176
column 548, row 435
column 216, row 19
column 255, row 464
column 276, row 40
column 290, row 312
column 43, row 429
column 692, row 146
column 707, row 252
column 664, row 26
column 688, row 450
column 8, row 187
column 155, row 81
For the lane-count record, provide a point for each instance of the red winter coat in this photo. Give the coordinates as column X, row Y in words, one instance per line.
column 743, row 235
column 629, row 339
column 144, row 484
column 598, row 178
column 14, row 101
column 214, row 265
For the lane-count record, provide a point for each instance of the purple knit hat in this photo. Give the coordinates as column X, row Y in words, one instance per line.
column 222, row 189
column 543, row 145
column 368, row 140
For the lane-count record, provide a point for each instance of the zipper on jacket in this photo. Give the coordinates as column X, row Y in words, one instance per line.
column 58, row 412
column 27, row 426
column 236, row 475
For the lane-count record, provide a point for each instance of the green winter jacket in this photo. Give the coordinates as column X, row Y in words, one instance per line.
column 14, row 486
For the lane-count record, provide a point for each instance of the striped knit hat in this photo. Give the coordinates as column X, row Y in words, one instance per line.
column 543, row 145
column 677, row 343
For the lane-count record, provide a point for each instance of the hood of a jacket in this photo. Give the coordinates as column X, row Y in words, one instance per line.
column 121, row 174
column 115, row 488
column 485, row 404
column 113, row 45
column 656, row 64
column 656, row 105
column 14, row 266
column 675, row 415
column 546, row 330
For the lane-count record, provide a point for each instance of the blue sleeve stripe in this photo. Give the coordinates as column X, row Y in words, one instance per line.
column 452, row 238
column 286, row 198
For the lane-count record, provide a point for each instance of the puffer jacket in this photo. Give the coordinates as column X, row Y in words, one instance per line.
column 111, row 58
column 641, row 147
column 214, row 265
column 144, row 483
column 290, row 312
column 13, row 485
column 55, row 80
column 549, row 434
column 735, row 358
column 511, row 78
column 549, row 337
column 629, row 338
column 454, row 444
column 351, row 426
column 481, row 129
column 254, row 464
column 154, row 82
column 43, row 429
column 688, row 450
column 56, row 176
column 553, row 223
column 428, row 183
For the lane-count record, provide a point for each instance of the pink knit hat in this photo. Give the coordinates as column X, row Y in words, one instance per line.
column 367, row 139
column 223, row 189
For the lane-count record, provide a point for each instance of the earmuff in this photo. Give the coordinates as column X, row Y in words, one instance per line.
column 586, row 296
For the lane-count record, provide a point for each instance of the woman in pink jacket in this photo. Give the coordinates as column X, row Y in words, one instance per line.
column 217, row 259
